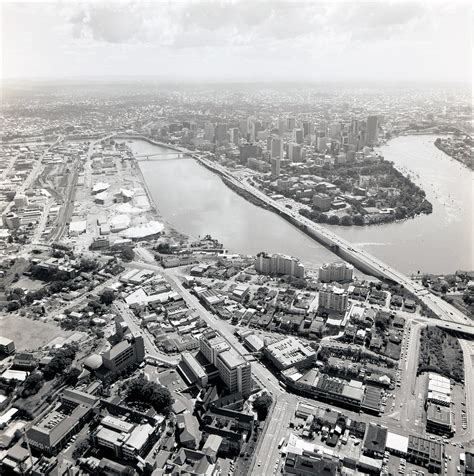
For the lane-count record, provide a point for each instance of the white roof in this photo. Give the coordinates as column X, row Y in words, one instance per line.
column 78, row 226
column 99, row 186
column 397, row 442
column 7, row 416
column 19, row 375
column 146, row 229
column 5, row 340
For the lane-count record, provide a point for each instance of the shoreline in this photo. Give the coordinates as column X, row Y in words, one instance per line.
column 258, row 202
column 154, row 210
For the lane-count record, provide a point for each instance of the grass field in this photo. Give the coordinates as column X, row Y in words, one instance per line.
column 27, row 333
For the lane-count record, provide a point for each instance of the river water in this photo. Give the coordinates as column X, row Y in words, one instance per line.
column 195, row 201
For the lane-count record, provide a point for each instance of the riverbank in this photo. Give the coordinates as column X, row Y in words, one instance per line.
column 458, row 149
column 197, row 202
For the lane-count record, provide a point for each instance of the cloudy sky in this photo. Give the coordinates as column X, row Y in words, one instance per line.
column 257, row 40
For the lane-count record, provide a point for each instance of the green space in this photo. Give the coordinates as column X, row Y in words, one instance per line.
column 440, row 352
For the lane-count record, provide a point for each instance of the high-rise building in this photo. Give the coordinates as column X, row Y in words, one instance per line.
column 276, row 149
column 322, row 143
column 294, row 152
column 372, row 130
column 221, row 133
column 249, row 150
column 298, row 136
column 282, row 126
column 308, row 128
column 333, row 298
column 251, row 129
column 275, row 163
column 339, row 272
column 290, row 123
column 334, row 130
column 243, row 129
column 234, row 135
column 209, row 132
column 279, row 264
column 233, row 369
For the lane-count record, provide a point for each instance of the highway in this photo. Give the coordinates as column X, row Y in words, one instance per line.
column 360, row 258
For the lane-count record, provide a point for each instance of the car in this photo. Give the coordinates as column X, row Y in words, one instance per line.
column 259, row 463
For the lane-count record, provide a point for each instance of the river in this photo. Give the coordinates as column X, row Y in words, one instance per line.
column 195, row 201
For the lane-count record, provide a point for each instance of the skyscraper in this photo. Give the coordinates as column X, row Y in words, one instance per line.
column 294, row 152
column 372, row 130
column 275, row 162
column 234, row 136
column 298, row 136
column 276, row 147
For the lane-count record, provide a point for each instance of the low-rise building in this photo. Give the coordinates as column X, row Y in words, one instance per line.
column 7, row 346
column 438, row 419
column 290, row 352
column 424, row 452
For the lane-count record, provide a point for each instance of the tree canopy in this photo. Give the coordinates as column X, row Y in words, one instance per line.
column 141, row 390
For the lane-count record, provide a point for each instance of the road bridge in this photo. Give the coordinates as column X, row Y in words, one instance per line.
column 346, row 250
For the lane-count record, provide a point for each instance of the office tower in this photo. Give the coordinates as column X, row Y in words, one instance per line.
column 209, row 132
column 234, row 135
column 251, row 131
column 372, row 130
column 282, row 126
column 221, row 133
column 308, row 128
column 276, row 149
column 290, row 123
column 334, row 130
column 294, row 152
column 249, row 150
column 298, row 136
column 243, row 129
column 275, row 163
column 322, row 144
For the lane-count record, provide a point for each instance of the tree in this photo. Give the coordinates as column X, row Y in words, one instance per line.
column 107, row 297
column 59, row 362
column 141, row 390
column 261, row 405
column 73, row 376
column 32, row 384
column 81, row 447
column 13, row 306
column 358, row 220
column 87, row 264
column 346, row 220
column 127, row 254
column 333, row 220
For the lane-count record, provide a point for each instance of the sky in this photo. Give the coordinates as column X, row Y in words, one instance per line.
column 238, row 41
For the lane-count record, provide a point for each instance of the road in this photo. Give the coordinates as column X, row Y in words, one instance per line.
column 148, row 339
column 468, row 351
column 353, row 254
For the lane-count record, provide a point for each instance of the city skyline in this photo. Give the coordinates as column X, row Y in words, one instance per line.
column 238, row 41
